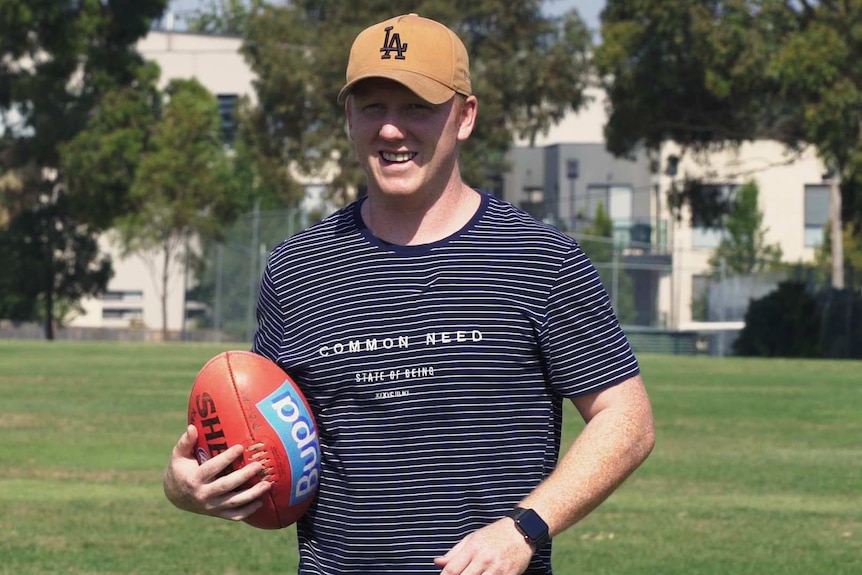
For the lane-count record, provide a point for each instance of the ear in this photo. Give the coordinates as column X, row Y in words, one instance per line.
column 467, row 117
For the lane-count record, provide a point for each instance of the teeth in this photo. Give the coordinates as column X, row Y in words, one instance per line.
column 399, row 157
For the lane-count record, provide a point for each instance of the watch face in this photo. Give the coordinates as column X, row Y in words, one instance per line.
column 532, row 524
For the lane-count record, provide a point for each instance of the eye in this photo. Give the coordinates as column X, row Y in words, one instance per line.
column 418, row 109
column 374, row 109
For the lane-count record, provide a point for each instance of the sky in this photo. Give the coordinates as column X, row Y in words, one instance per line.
column 588, row 9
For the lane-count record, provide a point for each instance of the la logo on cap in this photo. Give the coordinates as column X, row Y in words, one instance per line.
column 392, row 43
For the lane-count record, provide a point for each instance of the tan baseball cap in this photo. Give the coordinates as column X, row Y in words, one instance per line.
column 422, row 54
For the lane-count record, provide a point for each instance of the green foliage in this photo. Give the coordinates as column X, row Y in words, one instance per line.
column 852, row 255
column 100, row 163
column 181, row 190
column 181, row 185
column 229, row 17
column 798, row 321
column 687, row 71
column 783, row 323
column 528, row 71
column 48, row 257
column 743, row 249
column 58, row 60
column 711, row 74
column 841, row 323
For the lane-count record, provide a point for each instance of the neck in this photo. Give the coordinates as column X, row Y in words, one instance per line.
column 415, row 220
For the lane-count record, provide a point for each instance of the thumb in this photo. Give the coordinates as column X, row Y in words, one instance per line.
column 186, row 444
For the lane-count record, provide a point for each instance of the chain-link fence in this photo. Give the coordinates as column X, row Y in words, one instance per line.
column 658, row 312
column 225, row 297
column 832, row 328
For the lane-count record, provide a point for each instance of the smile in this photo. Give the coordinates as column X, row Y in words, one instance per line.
column 399, row 157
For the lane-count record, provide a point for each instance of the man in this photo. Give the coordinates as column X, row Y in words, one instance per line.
column 435, row 331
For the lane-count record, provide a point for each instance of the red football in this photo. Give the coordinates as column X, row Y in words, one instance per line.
column 241, row 397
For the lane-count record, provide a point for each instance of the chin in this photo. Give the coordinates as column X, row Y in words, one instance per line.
column 397, row 189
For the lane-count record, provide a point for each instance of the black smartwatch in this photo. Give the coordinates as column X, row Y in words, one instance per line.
column 532, row 527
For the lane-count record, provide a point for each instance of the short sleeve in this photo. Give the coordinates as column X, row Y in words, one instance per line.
column 583, row 343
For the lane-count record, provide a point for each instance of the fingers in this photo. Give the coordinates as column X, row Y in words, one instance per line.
column 211, row 468
column 444, row 560
column 496, row 548
column 212, row 488
column 455, row 561
column 237, row 505
column 220, row 485
column 224, row 497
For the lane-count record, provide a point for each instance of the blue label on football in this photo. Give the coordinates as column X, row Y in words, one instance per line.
column 285, row 411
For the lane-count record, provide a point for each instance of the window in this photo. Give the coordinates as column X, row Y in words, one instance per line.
column 123, row 313
column 706, row 237
column 128, row 295
column 816, row 214
column 617, row 200
column 700, row 297
column 709, row 235
column 227, row 108
column 533, row 201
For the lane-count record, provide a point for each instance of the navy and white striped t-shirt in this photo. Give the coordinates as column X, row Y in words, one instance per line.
column 436, row 374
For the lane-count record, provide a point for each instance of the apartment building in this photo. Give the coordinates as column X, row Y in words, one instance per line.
column 563, row 176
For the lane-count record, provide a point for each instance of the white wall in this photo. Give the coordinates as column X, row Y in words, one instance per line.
column 781, row 178
column 584, row 127
column 214, row 60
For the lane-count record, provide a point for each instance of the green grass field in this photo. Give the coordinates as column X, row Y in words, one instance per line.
column 757, row 470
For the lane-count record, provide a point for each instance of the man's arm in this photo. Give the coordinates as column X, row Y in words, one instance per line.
column 617, row 438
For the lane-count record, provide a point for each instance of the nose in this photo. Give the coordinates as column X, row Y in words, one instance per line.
column 391, row 128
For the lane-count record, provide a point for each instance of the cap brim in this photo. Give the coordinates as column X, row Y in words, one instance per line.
column 426, row 88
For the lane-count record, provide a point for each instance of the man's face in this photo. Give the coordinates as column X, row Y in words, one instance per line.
column 404, row 144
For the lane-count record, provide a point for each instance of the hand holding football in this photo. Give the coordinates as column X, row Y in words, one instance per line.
column 240, row 397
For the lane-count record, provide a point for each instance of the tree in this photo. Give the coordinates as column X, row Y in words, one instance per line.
column 224, row 17
column 57, row 60
column 783, row 323
column 743, row 249
column 181, row 189
column 718, row 73
column 100, row 163
column 48, row 258
column 528, row 71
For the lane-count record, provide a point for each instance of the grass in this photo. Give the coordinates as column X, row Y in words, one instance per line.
column 757, row 470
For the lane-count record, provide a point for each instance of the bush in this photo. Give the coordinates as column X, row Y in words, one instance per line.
column 784, row 323
column 840, row 312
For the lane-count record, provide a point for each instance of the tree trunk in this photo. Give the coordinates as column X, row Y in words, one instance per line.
column 49, row 314
column 165, row 265
column 49, row 294
column 836, row 236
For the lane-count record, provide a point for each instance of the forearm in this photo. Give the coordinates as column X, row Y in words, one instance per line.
column 616, row 440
